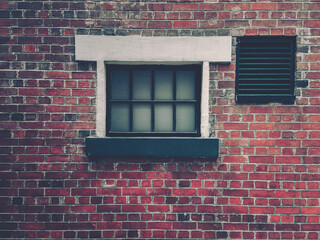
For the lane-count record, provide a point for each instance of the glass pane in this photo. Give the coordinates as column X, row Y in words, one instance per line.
column 141, row 84
column 120, row 117
column 185, row 117
column 163, row 119
column 186, row 85
column 142, row 117
column 120, row 84
column 163, row 81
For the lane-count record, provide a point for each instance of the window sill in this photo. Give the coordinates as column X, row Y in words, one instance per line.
column 152, row 147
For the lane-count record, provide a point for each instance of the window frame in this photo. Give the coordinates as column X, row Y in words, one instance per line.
column 153, row 68
column 267, row 98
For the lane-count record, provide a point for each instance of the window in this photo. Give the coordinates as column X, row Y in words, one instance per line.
column 152, row 94
column 265, row 69
column 153, row 100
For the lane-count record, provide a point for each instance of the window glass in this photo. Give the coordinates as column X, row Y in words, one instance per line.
column 141, row 83
column 120, row 84
column 142, row 117
column 185, row 84
column 153, row 100
column 163, row 117
column 185, row 117
column 120, row 117
column 163, row 80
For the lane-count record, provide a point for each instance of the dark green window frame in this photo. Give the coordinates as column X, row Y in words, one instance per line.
column 153, row 101
column 265, row 69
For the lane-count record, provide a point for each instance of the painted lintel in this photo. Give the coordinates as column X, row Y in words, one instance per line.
column 153, row 49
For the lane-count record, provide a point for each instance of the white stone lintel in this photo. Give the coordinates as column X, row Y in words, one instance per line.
column 156, row 49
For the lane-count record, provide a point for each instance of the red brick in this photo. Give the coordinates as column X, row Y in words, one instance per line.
column 185, row 6
column 184, row 24
column 134, row 191
column 184, row 225
column 133, row 208
column 235, row 209
column 211, row 6
column 212, row 24
column 57, row 75
column 236, row 192
column 264, row 6
column 287, row 210
column 264, row 23
column 235, row 126
column 237, row 6
column 261, row 126
column 290, row 159
column 236, row 23
column 184, row 192
column 110, row 6
column 159, row 24
column 83, row 208
column 262, row 193
column 287, row 194
column 234, row 159
column 312, row 23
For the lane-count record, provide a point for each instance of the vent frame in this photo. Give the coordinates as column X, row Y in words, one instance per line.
column 252, row 57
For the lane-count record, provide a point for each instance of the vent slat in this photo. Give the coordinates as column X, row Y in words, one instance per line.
column 265, row 69
column 260, row 84
column 265, row 48
column 255, row 63
column 264, row 79
column 265, row 53
column 262, row 58
column 265, row 73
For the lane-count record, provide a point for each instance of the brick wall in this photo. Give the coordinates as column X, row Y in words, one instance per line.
column 265, row 184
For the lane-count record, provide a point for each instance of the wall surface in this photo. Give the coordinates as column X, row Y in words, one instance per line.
column 264, row 185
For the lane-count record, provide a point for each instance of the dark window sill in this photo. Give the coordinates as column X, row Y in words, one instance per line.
column 152, row 147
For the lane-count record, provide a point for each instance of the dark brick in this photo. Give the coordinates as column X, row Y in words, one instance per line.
column 68, row 14
column 303, row 49
column 301, row 83
column 5, row 133
column 30, row 5
column 222, row 235
column 57, row 184
column 4, row 14
column 183, row 217
column 70, row 117
column 17, row 201
column 84, row 133
column 17, row 117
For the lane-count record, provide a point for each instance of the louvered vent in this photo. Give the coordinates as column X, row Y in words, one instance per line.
column 265, row 69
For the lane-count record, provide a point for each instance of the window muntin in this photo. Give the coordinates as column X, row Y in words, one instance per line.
column 153, row 100
column 265, row 69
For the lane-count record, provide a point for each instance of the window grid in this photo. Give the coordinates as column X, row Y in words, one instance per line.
column 153, row 101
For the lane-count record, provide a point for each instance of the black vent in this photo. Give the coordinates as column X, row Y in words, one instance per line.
column 265, row 69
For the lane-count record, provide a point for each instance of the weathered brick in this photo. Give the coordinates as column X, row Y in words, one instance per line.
column 264, row 6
